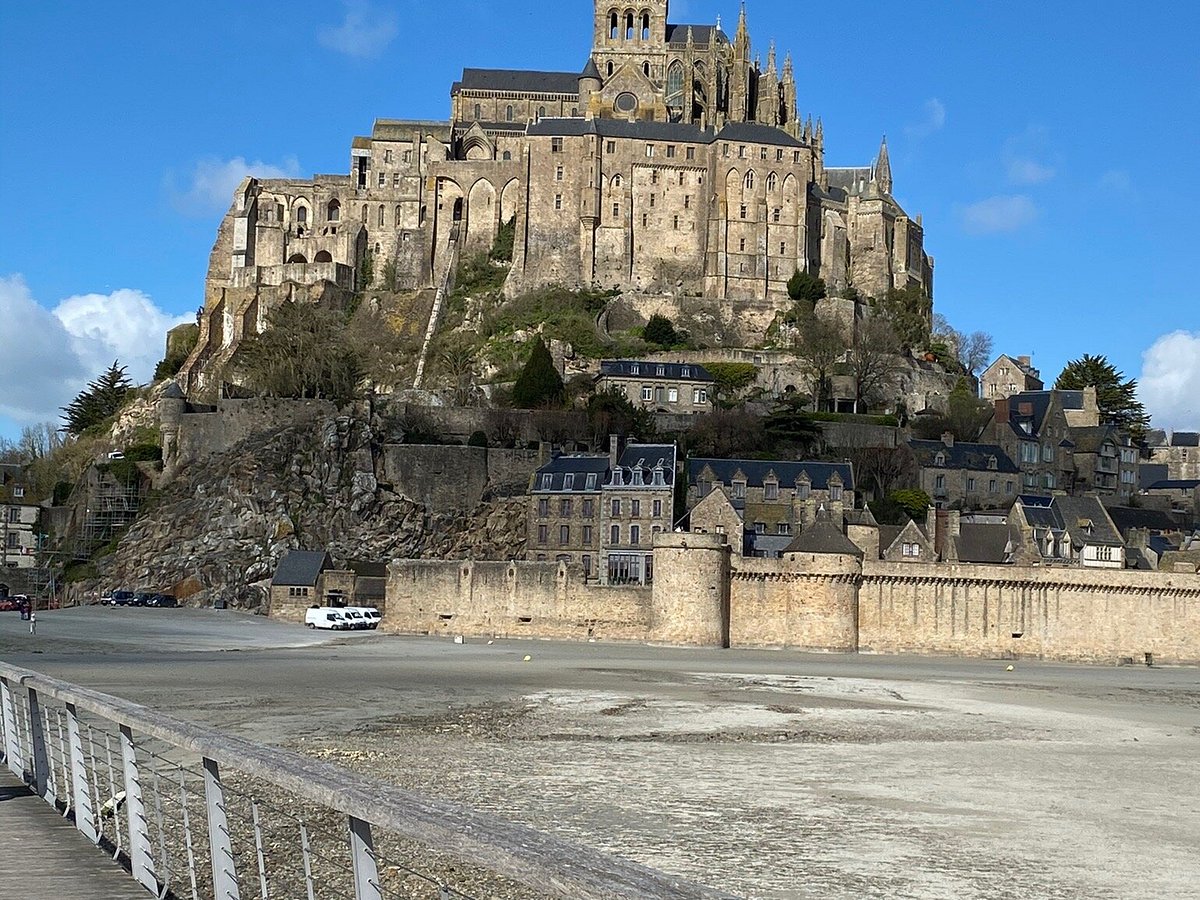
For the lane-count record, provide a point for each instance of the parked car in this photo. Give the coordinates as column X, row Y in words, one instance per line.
column 142, row 598
column 326, row 618
column 118, row 598
column 162, row 601
column 357, row 620
column 372, row 615
column 8, row 604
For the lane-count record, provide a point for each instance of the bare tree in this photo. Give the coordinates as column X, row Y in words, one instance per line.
column 975, row 352
column 880, row 470
column 820, row 344
column 873, row 360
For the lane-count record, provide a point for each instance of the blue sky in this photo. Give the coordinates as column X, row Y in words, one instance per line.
column 1051, row 148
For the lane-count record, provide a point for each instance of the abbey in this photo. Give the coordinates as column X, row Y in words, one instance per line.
column 673, row 162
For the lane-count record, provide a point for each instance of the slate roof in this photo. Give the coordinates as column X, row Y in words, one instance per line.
column 301, row 568
column 1065, row 514
column 590, row 70
column 702, row 35
column 369, row 569
column 1185, row 439
column 1127, row 518
column 848, row 180
column 625, row 368
column 1151, row 473
column 1156, row 438
column 888, row 535
column 1038, row 404
column 787, row 472
column 757, row 133
column 519, row 81
column 578, row 464
column 552, row 126
column 1090, row 439
column 861, row 517
column 824, row 537
column 647, row 458
column 173, row 392
column 1169, row 485
column 982, row 544
column 974, row 457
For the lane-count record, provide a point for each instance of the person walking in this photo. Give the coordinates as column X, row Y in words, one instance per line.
column 32, row 622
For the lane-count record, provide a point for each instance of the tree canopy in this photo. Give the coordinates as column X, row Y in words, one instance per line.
column 1115, row 395
column 661, row 331
column 99, row 401
column 910, row 312
column 305, row 354
column 539, row 384
column 806, row 287
column 965, row 418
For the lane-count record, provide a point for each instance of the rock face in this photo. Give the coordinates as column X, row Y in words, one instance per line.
column 223, row 523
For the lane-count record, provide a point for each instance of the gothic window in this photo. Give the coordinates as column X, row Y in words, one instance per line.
column 749, row 181
column 302, row 214
column 478, row 112
column 617, row 182
column 541, row 112
column 675, row 84
column 334, row 211
column 508, row 114
column 772, row 182
column 507, row 157
column 614, row 27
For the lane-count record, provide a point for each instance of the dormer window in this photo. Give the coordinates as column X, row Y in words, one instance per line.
column 687, row 373
column 616, row 477
column 635, row 370
column 547, row 482
column 992, row 463
column 568, row 482
column 591, row 481
column 662, row 371
column 739, row 490
column 940, row 460
column 771, row 490
column 658, row 476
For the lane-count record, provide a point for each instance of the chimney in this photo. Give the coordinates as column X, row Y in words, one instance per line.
column 544, row 453
column 1002, row 413
column 948, row 439
column 614, row 450
column 1025, row 361
column 1091, row 404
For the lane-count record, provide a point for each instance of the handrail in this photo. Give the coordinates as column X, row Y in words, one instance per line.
column 513, row 851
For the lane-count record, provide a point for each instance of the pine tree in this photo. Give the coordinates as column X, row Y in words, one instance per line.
column 99, row 401
column 1115, row 395
column 539, row 383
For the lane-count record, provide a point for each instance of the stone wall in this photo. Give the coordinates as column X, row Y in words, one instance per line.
column 205, row 434
column 805, row 604
column 1047, row 613
column 448, row 479
column 511, row 600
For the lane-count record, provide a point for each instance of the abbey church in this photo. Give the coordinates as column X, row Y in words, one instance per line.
column 674, row 162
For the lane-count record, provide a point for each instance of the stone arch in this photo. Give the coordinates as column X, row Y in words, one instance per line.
column 477, row 148
column 297, row 259
column 749, row 183
column 333, row 211
column 733, row 187
column 323, row 256
column 509, row 199
column 772, row 182
column 481, row 214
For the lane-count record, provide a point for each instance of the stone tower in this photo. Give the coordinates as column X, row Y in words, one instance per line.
column 623, row 35
column 883, row 169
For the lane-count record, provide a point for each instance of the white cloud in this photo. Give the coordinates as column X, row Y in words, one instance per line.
column 933, row 119
column 1027, row 171
column 999, row 215
column 213, row 181
column 1170, row 382
column 51, row 354
column 365, row 32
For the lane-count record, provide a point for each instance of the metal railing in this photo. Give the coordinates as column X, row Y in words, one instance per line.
column 195, row 813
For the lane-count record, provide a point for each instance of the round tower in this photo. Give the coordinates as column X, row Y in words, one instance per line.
column 171, row 407
column 690, row 600
column 590, row 84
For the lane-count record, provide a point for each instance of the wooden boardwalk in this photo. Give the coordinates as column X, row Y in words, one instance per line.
column 45, row 858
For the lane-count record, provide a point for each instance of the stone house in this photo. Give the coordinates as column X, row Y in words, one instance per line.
column 908, row 543
column 680, row 388
column 774, row 499
column 1106, row 461
column 19, row 518
column 1180, row 453
column 1067, row 531
column 972, row 476
column 601, row 513
column 716, row 514
column 1179, row 497
column 299, row 580
column 1007, row 376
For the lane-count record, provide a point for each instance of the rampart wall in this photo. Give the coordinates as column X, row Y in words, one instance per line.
column 453, row 478
column 809, row 605
column 202, row 434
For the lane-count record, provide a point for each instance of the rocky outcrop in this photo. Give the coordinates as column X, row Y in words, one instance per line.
column 223, row 523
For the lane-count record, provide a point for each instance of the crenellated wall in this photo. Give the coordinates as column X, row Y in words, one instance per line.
column 807, row 603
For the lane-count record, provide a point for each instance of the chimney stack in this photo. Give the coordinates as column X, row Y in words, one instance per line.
column 948, row 439
column 1002, row 411
column 614, row 450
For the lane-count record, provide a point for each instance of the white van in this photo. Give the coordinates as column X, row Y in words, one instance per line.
column 326, row 619
column 367, row 616
column 354, row 618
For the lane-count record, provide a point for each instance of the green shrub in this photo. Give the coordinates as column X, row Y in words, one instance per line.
column 661, row 331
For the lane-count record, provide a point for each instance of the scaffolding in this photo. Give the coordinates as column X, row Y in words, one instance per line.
column 111, row 509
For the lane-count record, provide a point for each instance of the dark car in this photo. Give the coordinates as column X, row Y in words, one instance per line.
column 121, row 598
column 163, row 601
column 142, row 598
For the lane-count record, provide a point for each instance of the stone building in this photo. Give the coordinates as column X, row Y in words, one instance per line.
column 18, row 520
column 972, row 476
column 672, row 162
column 1007, row 376
column 1106, row 461
column 1069, row 531
column 773, row 500
column 1180, row 453
column 681, row 388
column 601, row 513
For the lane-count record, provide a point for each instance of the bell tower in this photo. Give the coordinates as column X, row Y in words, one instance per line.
column 622, row 30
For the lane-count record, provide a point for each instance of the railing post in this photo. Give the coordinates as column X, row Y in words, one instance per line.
column 225, row 884
column 85, row 816
column 12, row 741
column 140, row 859
column 37, row 744
column 362, row 853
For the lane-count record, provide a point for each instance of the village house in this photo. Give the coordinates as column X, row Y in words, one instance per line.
column 1179, row 453
column 1067, row 531
column 659, row 387
column 1008, row 376
column 772, row 500
column 972, row 476
column 18, row 520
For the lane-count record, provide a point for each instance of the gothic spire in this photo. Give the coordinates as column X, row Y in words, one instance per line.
column 883, row 168
column 771, row 68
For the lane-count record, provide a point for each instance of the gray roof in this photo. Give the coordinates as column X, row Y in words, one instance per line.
column 576, row 464
column 1060, row 513
column 630, row 368
column 702, row 35
column 1185, row 439
column 824, row 537
column 647, row 458
column 788, row 472
column 972, row 457
column 590, row 70
column 518, row 81
column 550, row 126
column 1092, row 438
column 861, row 517
column 755, row 133
column 984, row 544
column 1169, row 485
column 849, row 179
column 1030, row 407
column 1127, row 518
column 173, row 392
column 301, row 568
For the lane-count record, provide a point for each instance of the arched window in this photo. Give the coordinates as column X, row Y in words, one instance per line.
column 302, row 214
column 772, row 182
column 507, row 156
column 629, row 26
column 541, row 112
column 508, row 114
column 478, row 112
column 364, row 214
column 748, row 183
column 297, row 259
column 381, row 216
column 614, row 25
column 397, row 221
column 333, row 211
column 324, row 256
column 645, row 26
column 617, row 182
column 646, row 68
column 675, row 84
column 610, row 70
